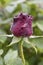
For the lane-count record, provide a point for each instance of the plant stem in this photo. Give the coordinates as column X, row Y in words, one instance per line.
column 21, row 54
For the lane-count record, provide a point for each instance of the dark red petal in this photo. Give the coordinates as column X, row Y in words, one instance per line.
column 22, row 25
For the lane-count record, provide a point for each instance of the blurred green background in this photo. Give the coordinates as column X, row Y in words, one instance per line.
column 9, row 54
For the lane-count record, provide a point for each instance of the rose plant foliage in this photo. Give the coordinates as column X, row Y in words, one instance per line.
column 21, row 33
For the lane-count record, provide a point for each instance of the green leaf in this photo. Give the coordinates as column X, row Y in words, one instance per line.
column 2, row 38
column 26, row 45
column 2, row 2
column 1, row 61
column 38, row 42
column 6, row 21
column 1, row 51
column 11, row 58
column 24, row 8
column 7, row 1
column 15, row 40
column 13, row 6
column 18, row 61
column 33, row 60
column 40, row 25
column 37, row 31
column 34, row 24
column 41, row 63
column 29, row 44
column 17, row 9
column 10, row 54
column 10, row 8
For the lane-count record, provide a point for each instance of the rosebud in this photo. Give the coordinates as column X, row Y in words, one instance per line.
column 22, row 25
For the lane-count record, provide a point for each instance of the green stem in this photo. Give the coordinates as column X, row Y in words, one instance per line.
column 21, row 54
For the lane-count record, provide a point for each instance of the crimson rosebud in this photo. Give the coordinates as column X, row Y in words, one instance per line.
column 22, row 25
